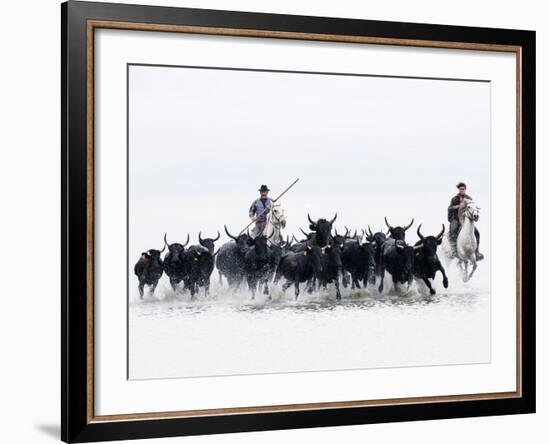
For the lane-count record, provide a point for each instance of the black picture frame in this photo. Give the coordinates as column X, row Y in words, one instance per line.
column 76, row 423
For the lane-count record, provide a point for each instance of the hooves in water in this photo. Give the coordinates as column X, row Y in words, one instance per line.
column 446, row 283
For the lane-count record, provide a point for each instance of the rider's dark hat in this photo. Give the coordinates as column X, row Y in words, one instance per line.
column 461, row 184
column 263, row 188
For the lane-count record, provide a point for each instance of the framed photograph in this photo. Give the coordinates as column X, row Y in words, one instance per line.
column 275, row 221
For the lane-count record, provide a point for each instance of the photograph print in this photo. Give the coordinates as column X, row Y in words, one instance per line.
column 284, row 221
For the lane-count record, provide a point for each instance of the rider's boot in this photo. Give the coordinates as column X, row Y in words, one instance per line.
column 479, row 256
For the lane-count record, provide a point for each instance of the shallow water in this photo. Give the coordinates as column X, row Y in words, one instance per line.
column 227, row 333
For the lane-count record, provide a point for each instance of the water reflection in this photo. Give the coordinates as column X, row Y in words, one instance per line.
column 168, row 304
column 227, row 333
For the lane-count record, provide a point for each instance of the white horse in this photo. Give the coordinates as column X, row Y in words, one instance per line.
column 275, row 222
column 466, row 243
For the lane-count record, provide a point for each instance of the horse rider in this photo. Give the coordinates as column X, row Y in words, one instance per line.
column 452, row 216
column 259, row 209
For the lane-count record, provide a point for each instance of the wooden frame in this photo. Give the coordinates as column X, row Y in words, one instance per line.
column 79, row 21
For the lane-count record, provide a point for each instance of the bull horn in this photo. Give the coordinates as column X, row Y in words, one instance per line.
column 200, row 238
column 185, row 244
column 294, row 239
column 419, row 233
column 347, row 231
column 334, row 218
column 229, row 234
column 410, row 225
column 355, row 234
column 417, row 247
column 336, row 231
column 218, row 237
column 305, row 234
column 217, row 251
column 166, row 244
column 310, row 221
column 370, row 231
column 398, row 245
column 387, row 223
column 440, row 235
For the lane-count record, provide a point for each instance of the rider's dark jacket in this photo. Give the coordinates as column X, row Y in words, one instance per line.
column 452, row 213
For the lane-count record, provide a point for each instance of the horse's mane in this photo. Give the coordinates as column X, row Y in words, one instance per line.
column 462, row 210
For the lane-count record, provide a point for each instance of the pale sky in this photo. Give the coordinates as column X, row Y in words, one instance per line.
column 201, row 141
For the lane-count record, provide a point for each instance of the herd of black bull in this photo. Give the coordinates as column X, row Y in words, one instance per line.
column 319, row 259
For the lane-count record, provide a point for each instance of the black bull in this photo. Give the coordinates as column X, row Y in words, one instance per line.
column 260, row 263
column 198, row 264
column 298, row 267
column 248, row 258
column 426, row 261
column 404, row 261
column 230, row 259
column 173, row 262
column 358, row 261
column 322, row 230
column 148, row 270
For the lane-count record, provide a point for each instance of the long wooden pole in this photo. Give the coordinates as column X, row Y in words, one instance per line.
column 274, row 200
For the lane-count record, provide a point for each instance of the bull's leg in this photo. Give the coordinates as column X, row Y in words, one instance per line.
column 356, row 283
column 286, row 285
column 220, row 274
column 152, row 288
column 395, row 281
column 252, row 287
column 369, row 278
column 337, row 284
column 266, row 289
column 345, row 281
column 140, row 288
column 429, row 285
column 382, row 273
column 207, row 287
column 174, row 284
column 296, row 289
column 311, row 285
column 445, row 280
column 195, row 288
